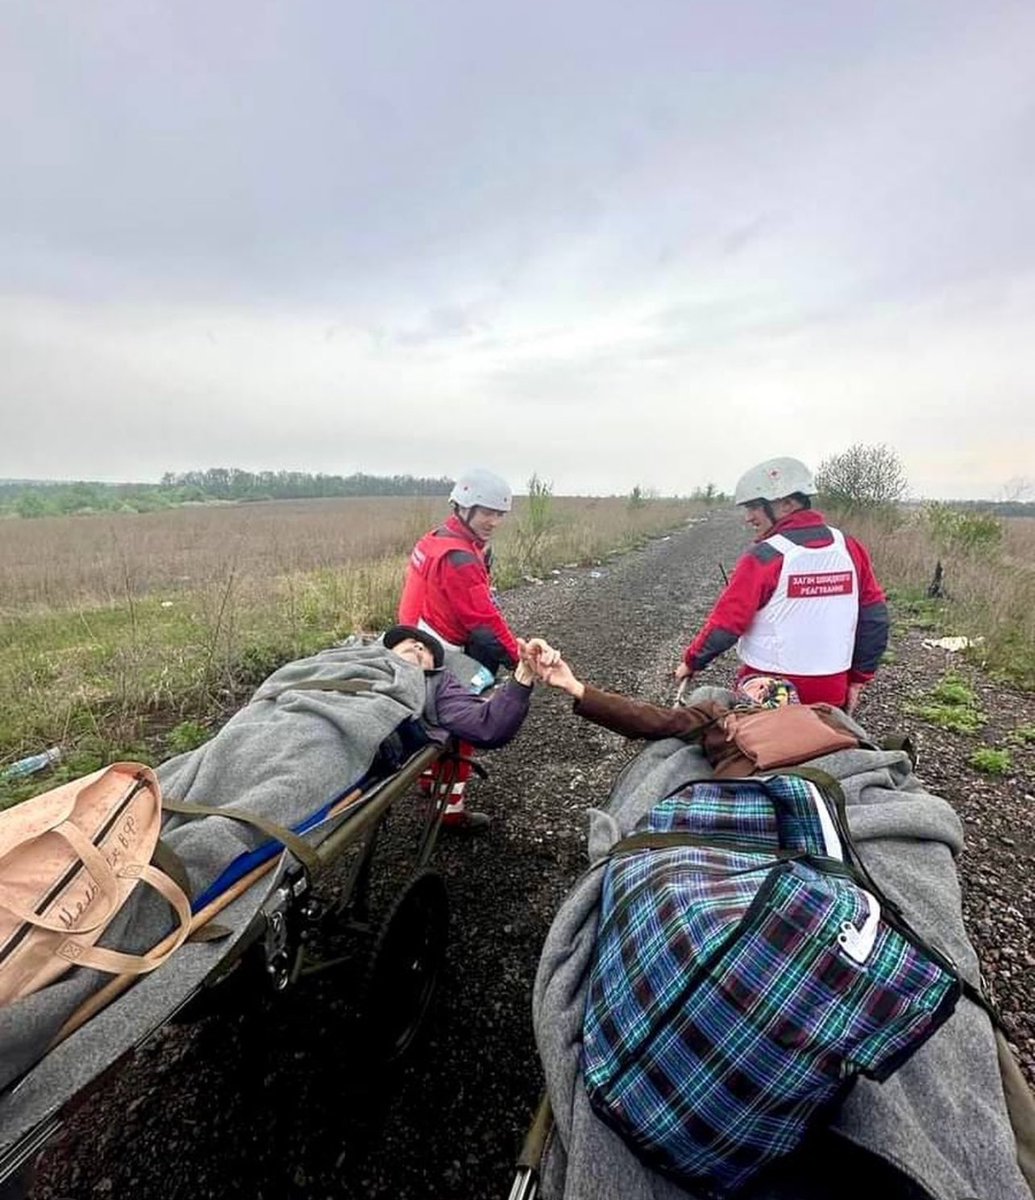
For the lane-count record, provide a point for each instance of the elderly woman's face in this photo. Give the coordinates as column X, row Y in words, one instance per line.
column 414, row 652
column 757, row 688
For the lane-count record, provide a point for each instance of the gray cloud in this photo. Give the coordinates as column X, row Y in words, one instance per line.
column 241, row 231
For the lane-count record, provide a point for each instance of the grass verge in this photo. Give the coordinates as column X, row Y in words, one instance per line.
column 149, row 671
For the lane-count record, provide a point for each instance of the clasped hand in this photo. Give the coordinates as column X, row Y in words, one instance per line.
column 546, row 664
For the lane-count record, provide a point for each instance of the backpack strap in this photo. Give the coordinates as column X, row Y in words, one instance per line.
column 636, row 843
column 432, row 682
column 348, row 687
column 903, row 743
column 166, row 859
column 832, row 787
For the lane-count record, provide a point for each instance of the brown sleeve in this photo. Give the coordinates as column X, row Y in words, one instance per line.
column 636, row 718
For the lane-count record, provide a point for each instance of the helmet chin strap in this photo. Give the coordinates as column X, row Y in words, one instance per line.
column 462, row 515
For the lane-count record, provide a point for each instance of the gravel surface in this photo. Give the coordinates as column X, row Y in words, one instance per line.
column 272, row 1100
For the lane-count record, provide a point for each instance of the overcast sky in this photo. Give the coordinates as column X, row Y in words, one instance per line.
column 612, row 243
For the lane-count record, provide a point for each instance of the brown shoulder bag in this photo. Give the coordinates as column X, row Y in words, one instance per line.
column 785, row 736
column 69, row 860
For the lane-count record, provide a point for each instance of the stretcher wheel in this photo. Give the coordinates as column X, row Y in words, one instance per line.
column 404, row 966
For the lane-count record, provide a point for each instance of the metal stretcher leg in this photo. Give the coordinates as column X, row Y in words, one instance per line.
column 529, row 1163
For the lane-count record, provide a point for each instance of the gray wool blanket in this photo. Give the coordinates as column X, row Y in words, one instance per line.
column 298, row 744
column 941, row 1118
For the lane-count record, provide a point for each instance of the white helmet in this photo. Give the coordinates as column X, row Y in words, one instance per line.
column 482, row 489
column 774, row 479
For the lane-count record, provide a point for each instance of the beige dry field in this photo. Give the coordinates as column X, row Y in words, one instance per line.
column 118, row 629
column 131, row 634
column 989, row 585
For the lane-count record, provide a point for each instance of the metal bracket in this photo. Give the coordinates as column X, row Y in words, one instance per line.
column 282, row 952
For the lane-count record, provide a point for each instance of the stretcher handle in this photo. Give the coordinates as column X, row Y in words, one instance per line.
column 531, row 1155
column 529, row 1163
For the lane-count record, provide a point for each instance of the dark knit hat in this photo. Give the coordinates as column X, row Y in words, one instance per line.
column 399, row 633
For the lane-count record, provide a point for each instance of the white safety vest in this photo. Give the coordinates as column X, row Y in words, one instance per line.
column 808, row 626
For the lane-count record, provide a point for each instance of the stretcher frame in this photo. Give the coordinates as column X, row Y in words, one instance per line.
column 278, row 933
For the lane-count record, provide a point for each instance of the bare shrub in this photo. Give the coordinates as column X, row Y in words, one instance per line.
column 862, row 478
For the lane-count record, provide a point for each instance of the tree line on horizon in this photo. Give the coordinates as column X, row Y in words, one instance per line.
column 40, row 498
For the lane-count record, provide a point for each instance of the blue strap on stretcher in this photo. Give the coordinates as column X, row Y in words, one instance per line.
column 407, row 738
column 253, row 858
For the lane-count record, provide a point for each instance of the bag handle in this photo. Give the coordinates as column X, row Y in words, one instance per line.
column 115, row 962
column 96, row 864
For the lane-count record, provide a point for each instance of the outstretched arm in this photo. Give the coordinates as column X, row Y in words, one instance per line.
column 633, row 718
column 750, row 587
column 486, row 722
column 638, row 719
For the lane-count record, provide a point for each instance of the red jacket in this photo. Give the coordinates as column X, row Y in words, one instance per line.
column 752, row 585
column 448, row 587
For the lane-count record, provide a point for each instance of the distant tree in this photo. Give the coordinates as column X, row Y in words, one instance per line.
column 30, row 504
column 1017, row 490
column 38, row 498
column 862, row 478
column 709, row 494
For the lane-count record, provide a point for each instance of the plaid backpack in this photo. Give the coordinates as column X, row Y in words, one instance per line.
column 746, row 971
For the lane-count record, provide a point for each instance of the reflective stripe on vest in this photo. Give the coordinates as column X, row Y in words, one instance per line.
column 808, row 626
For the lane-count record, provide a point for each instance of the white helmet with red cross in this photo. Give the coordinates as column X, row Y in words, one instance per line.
column 479, row 488
column 774, row 479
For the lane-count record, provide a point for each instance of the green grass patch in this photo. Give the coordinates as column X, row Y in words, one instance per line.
column 945, row 716
column 912, row 608
column 955, row 691
column 952, row 705
column 188, row 735
column 1023, row 735
column 1011, row 658
column 990, row 761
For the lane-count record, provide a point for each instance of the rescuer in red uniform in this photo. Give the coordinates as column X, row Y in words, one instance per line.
column 803, row 603
column 448, row 593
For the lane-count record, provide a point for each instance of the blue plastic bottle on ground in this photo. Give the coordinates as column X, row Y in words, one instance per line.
column 32, row 764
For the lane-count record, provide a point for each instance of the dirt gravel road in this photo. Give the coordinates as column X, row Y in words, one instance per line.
column 273, row 1102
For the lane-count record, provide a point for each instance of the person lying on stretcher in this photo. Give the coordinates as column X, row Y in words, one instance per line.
column 450, row 708
column 706, row 719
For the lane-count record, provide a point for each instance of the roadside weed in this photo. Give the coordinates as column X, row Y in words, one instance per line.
column 991, row 761
column 188, row 735
column 952, row 705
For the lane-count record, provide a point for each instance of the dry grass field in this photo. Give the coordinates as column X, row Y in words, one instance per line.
column 126, row 634
column 989, row 585
column 131, row 634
